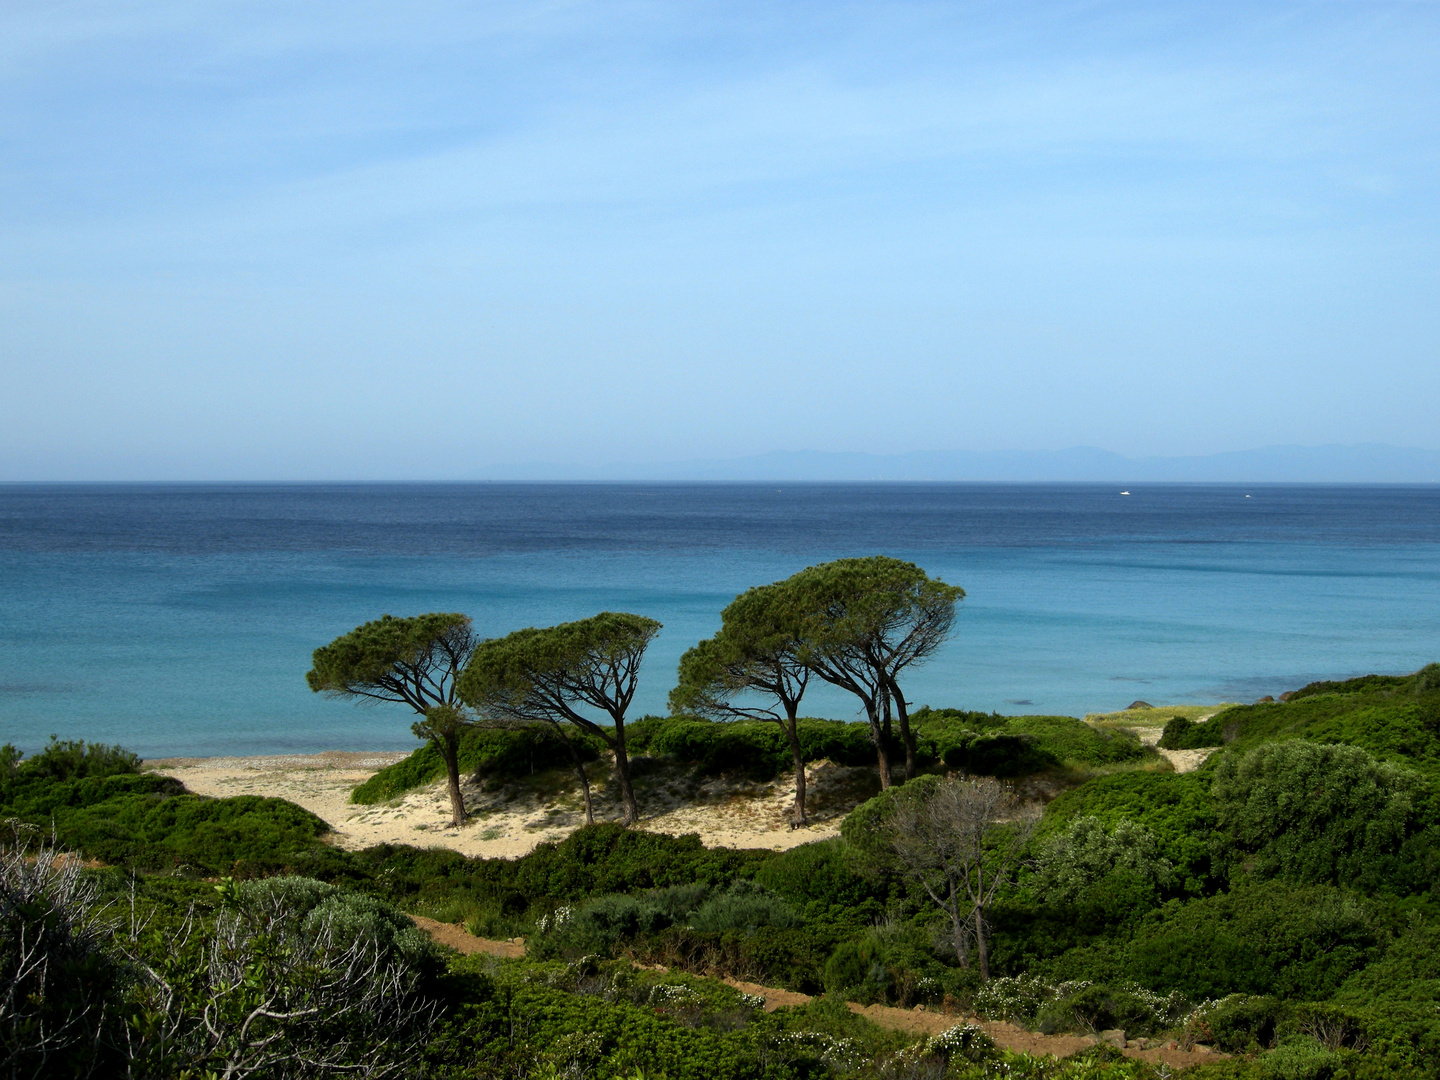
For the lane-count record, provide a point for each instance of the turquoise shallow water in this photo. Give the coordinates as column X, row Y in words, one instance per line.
column 180, row 619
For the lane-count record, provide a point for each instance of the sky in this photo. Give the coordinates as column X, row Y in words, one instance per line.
column 427, row 240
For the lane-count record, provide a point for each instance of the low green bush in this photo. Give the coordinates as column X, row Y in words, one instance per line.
column 1300, row 1058
column 497, row 753
column 1182, row 733
column 1312, row 813
column 1237, row 1023
column 755, row 748
column 743, row 908
column 1176, row 809
column 1009, row 746
column 70, row 759
column 150, row 822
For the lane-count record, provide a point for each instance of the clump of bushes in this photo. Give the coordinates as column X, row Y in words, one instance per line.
column 1182, row 733
column 495, row 753
column 755, row 748
column 598, row 925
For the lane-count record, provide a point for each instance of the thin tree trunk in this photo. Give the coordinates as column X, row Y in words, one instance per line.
column 982, row 953
column 622, row 766
column 905, row 735
column 449, row 747
column 580, row 774
column 957, row 927
column 798, row 755
column 877, row 736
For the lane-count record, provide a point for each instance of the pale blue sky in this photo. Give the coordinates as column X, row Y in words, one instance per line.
column 360, row 240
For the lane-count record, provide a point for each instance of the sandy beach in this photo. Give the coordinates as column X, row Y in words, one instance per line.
column 508, row 821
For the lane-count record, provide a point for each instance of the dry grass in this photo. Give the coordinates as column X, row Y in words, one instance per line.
column 1156, row 717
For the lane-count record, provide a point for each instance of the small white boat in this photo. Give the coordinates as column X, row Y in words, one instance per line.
column 1124, row 493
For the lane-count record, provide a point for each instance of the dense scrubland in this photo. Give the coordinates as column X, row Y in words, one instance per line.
column 1277, row 903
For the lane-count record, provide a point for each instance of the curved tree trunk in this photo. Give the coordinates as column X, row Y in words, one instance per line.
column 449, row 747
column 902, row 713
column 877, row 736
column 622, row 768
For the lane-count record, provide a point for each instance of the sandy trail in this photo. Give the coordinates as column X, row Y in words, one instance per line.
column 509, row 821
column 916, row 1021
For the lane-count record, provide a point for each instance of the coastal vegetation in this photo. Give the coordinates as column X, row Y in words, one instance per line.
column 1276, row 904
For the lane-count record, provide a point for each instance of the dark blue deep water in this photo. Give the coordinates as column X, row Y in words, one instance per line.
column 179, row 619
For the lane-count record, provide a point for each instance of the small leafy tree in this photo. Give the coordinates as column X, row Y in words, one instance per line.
column 861, row 623
column 412, row 661
column 960, row 840
column 549, row 676
column 754, row 654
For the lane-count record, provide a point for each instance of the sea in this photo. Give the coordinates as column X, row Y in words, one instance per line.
column 180, row 619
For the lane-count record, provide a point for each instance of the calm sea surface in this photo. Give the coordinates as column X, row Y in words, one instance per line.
column 179, row 619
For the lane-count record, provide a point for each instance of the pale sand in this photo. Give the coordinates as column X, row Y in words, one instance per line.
column 511, row 821
column 1180, row 760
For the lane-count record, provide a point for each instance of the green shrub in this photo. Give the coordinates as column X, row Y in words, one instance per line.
column 1394, row 718
column 1098, row 1007
column 820, row 873
column 744, row 908
column 1237, row 1023
column 1313, row 813
column 150, row 822
column 1299, row 1058
column 597, row 926
column 756, row 748
column 857, row 971
column 1271, row 938
column 1182, row 733
column 75, row 759
column 498, row 753
column 1175, row 809
column 1073, row 862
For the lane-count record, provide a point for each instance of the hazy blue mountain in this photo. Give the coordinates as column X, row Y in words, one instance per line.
column 1365, row 463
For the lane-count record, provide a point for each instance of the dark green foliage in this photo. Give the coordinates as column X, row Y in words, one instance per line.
column 858, row 971
column 1263, row 938
column 756, row 748
column 596, row 926
column 1175, row 809
column 74, row 759
column 149, row 822
column 1182, row 733
column 820, row 873
column 495, row 753
column 518, row 1025
column 1314, row 813
column 864, row 828
column 1302, row 1057
column 1239, row 1023
column 1098, row 1007
column 1394, row 718
column 1007, row 746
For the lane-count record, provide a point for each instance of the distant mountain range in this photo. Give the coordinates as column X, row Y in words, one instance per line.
column 1364, row 463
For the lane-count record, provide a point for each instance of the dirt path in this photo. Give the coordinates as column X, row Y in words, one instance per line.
column 916, row 1021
